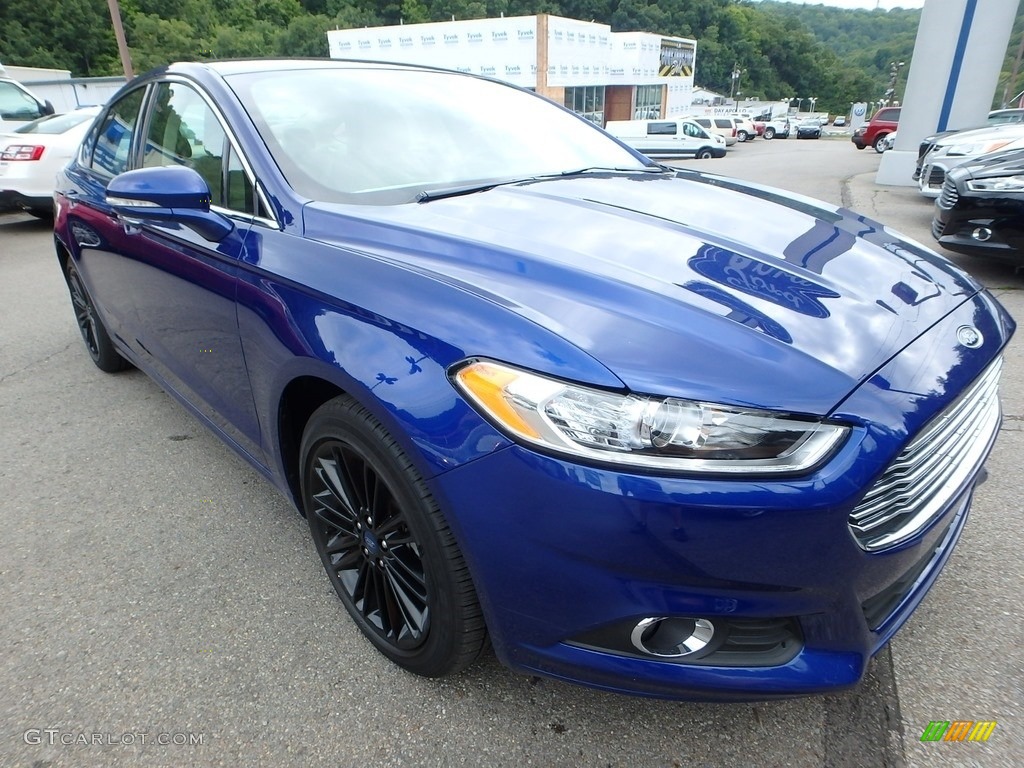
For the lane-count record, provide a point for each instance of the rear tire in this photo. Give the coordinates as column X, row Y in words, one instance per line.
column 94, row 334
column 880, row 145
column 769, row 133
column 383, row 540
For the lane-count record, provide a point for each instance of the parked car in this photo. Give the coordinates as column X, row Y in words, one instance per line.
column 963, row 147
column 886, row 143
column 779, row 127
column 674, row 137
column 656, row 431
column 808, row 129
column 882, row 123
column 839, row 121
column 759, row 126
column 745, row 128
column 723, row 126
column 981, row 209
column 996, row 118
column 31, row 156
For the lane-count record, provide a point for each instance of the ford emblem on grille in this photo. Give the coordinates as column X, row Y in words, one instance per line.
column 969, row 336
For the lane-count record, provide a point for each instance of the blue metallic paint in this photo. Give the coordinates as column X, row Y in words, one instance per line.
column 809, row 308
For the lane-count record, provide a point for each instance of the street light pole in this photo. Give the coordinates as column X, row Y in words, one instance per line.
column 894, row 76
column 736, row 72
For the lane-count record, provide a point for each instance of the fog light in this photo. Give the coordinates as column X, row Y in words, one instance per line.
column 982, row 234
column 671, row 637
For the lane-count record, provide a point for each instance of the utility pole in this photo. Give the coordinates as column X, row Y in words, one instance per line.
column 122, row 43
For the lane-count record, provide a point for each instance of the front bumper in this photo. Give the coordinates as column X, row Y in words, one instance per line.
column 960, row 222
column 565, row 553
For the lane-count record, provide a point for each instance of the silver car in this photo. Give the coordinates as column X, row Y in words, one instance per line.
column 961, row 147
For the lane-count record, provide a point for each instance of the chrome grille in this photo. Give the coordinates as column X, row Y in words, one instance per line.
column 924, row 478
column 949, row 194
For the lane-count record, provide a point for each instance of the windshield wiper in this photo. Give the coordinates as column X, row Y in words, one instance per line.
column 604, row 169
column 429, row 195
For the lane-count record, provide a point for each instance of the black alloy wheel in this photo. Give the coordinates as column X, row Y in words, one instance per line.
column 387, row 550
column 97, row 340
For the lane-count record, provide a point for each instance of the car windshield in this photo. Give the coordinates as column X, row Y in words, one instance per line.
column 55, row 124
column 384, row 135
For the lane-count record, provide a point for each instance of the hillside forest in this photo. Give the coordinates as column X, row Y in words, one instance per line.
column 778, row 49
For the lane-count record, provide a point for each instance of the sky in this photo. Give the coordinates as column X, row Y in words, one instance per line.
column 883, row 4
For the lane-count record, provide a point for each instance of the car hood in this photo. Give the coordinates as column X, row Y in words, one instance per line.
column 684, row 284
column 1007, row 132
column 1005, row 163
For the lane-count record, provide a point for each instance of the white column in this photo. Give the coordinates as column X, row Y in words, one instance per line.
column 958, row 55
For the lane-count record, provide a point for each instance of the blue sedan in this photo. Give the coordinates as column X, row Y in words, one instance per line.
column 654, row 431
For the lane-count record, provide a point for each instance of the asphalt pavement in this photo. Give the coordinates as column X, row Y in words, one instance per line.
column 163, row 605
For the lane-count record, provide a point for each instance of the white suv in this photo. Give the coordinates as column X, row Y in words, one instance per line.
column 723, row 126
column 745, row 128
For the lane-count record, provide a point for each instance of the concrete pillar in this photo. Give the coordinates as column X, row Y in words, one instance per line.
column 958, row 55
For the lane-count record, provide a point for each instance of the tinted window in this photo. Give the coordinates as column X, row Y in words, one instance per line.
column 661, row 129
column 1006, row 117
column 113, row 140
column 721, row 123
column 239, row 193
column 890, row 115
column 15, row 104
column 183, row 130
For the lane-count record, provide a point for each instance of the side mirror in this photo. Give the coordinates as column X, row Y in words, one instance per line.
column 48, row 108
column 168, row 194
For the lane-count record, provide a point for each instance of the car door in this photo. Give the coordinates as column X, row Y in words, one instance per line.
column 174, row 290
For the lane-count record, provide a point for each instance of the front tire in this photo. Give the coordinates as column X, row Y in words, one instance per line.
column 704, row 154
column 387, row 549
column 769, row 133
column 742, row 136
column 94, row 334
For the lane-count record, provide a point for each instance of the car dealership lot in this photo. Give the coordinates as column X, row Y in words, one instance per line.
column 155, row 585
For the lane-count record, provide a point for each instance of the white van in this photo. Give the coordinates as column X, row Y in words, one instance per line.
column 18, row 105
column 675, row 137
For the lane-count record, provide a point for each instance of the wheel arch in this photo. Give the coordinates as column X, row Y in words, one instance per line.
column 300, row 398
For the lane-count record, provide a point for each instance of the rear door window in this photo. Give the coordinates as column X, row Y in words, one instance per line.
column 661, row 129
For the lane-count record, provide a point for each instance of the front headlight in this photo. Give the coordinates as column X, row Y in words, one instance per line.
column 997, row 184
column 642, row 431
column 976, row 148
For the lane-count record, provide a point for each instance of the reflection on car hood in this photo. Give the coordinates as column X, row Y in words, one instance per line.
column 665, row 277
